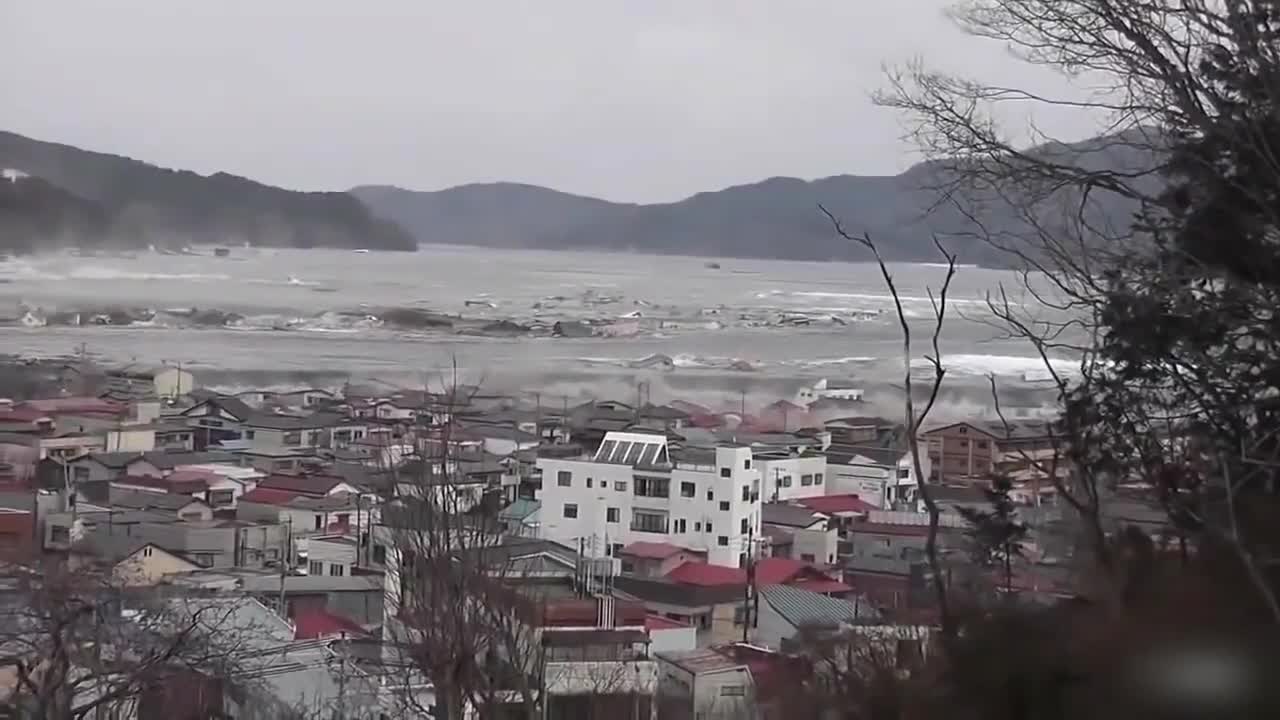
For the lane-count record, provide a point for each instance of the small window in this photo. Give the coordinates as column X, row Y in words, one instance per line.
column 746, row 526
column 315, row 567
column 746, row 464
column 711, row 495
column 146, row 551
column 564, row 478
column 688, row 489
column 723, row 541
column 726, row 472
column 707, row 527
column 249, row 434
column 724, row 505
column 681, row 526
column 746, row 493
column 620, row 485
column 982, row 444
column 336, row 570
column 733, row 691
column 588, row 483
column 570, row 510
column 817, row 478
column 380, row 554
column 806, row 557
column 904, row 473
column 964, row 430
column 319, row 521
column 612, row 515
column 697, row 527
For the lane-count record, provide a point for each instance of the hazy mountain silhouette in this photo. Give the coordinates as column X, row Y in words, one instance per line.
column 774, row 218
column 141, row 204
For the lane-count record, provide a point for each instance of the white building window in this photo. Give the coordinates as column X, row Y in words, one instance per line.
column 817, row 478
column 337, row 570
column 688, row 489
column 642, row 521
column 806, row 480
column 611, row 515
column 570, row 510
column 564, row 478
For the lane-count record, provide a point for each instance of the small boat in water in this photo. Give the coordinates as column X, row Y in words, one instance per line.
column 361, row 251
column 221, row 252
column 712, row 266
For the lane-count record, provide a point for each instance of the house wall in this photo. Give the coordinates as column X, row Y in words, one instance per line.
column 783, row 478
column 862, row 477
column 614, row 486
column 143, row 468
column 217, row 547
column 771, row 628
column 817, row 545
column 330, row 554
column 665, row 639
column 657, row 567
column 960, row 451
column 685, row 696
column 88, row 470
column 69, row 447
column 55, row 524
column 172, row 382
column 125, row 440
column 148, row 566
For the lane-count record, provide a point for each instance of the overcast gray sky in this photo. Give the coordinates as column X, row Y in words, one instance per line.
column 641, row 100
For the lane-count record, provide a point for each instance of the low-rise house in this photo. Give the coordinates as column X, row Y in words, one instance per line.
column 520, row 518
column 784, row 611
column 132, row 562
column 961, row 451
column 336, row 555
column 305, row 515
column 881, row 475
column 217, row 419
column 216, row 490
column 799, row 533
column 729, row 681
column 183, row 507
column 64, row 529
column 210, row 543
column 291, row 432
column 900, row 535
column 281, row 461
column 826, row 389
column 655, row 559
column 137, row 381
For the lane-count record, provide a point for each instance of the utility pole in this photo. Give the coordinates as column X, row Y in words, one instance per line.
column 285, row 562
column 749, row 590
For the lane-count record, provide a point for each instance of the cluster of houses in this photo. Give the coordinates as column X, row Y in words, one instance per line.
column 713, row 542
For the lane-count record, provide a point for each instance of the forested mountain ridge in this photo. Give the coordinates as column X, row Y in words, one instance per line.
column 142, row 204
column 773, row 218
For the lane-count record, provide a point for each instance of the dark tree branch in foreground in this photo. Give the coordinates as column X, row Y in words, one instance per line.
column 915, row 420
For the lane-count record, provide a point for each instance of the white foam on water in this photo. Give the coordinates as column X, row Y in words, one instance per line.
column 969, row 364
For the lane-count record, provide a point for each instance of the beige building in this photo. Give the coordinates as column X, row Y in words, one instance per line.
column 133, row 562
column 136, row 381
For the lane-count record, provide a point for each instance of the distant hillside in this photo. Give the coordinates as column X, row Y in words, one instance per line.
column 35, row 213
column 774, row 218
column 141, row 204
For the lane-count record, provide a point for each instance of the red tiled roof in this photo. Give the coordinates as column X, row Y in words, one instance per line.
column 657, row 622
column 577, row 612
column 704, row 574
column 778, row 570
column 822, row 587
column 312, row 624
column 270, row 496
column 169, row 484
column 832, row 504
column 651, row 550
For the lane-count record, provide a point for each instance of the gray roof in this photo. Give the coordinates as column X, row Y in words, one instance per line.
column 295, row 422
column 519, row 510
column 142, row 500
column 233, row 405
column 113, row 460
column 171, row 460
column 307, row 584
column 803, row 608
column 777, row 513
column 846, row 454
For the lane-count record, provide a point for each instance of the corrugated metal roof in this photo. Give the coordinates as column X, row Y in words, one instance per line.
column 803, row 608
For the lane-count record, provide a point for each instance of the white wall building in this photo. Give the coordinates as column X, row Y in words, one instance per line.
column 787, row 476
column 884, row 477
column 828, row 390
column 637, row 488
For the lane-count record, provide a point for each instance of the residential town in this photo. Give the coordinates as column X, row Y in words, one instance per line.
column 687, row 556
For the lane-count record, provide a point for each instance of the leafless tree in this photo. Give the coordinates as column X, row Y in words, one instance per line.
column 915, row 420
column 82, row 642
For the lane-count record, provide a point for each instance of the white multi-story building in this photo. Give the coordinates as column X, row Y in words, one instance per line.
column 636, row 487
column 788, row 475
